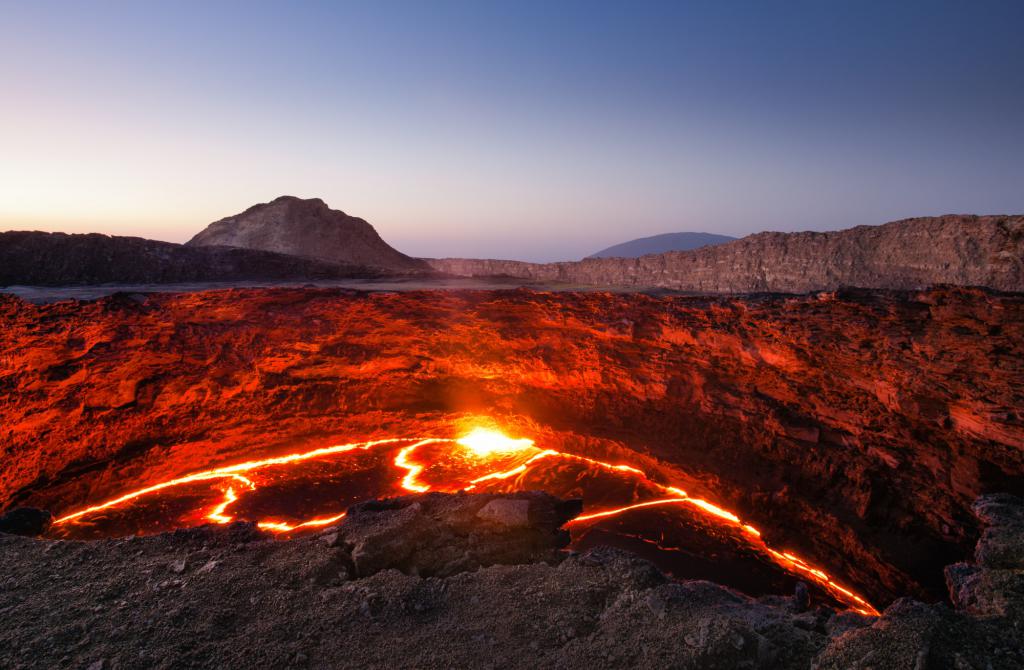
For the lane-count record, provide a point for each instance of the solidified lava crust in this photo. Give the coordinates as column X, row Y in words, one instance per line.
column 855, row 428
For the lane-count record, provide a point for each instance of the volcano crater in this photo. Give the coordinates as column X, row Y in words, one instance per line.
column 846, row 432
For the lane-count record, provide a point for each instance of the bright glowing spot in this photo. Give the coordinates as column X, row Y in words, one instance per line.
column 484, row 442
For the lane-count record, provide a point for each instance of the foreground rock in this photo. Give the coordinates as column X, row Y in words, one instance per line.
column 986, row 628
column 908, row 254
column 231, row 597
column 441, row 535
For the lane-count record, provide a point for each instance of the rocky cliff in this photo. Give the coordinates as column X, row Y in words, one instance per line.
column 309, row 229
column 59, row 259
column 913, row 253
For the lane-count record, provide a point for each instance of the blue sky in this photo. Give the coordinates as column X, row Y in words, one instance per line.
column 540, row 131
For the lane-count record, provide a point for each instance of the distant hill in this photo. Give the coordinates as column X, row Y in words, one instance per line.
column 959, row 249
column 659, row 244
column 310, row 229
column 59, row 259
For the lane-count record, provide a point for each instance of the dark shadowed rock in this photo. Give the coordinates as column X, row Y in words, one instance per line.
column 1002, row 542
column 988, row 593
column 801, row 597
column 27, row 521
column 994, row 585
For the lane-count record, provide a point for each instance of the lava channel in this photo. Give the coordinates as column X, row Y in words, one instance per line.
column 481, row 460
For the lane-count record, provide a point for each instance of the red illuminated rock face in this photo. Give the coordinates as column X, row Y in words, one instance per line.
column 856, row 428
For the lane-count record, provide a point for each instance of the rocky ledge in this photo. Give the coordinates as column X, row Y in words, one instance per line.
column 466, row 581
column 964, row 250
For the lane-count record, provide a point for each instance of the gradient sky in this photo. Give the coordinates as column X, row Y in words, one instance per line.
column 539, row 131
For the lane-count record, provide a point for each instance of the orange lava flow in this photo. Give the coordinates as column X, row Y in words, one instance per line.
column 218, row 515
column 476, row 449
column 282, row 527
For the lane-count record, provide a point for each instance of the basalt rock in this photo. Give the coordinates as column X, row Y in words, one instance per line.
column 1002, row 543
column 441, row 535
column 994, row 585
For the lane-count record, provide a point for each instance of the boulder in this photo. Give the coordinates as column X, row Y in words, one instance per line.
column 442, row 534
column 1002, row 542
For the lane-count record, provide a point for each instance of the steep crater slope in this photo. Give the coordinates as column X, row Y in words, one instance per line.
column 855, row 428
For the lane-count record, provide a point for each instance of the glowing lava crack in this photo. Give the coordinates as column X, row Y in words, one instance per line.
column 472, row 458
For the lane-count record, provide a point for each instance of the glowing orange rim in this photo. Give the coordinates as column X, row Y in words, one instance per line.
column 482, row 443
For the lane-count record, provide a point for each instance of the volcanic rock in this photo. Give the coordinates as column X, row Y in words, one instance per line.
column 440, row 535
column 984, row 631
column 506, row 512
column 59, row 259
column 1002, row 543
column 25, row 521
column 101, row 397
column 602, row 608
column 310, row 229
column 994, row 586
column 908, row 254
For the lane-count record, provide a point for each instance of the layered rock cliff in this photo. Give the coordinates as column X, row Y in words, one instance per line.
column 909, row 254
column 306, row 228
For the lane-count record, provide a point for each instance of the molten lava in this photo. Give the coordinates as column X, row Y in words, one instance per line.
column 481, row 458
column 484, row 442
